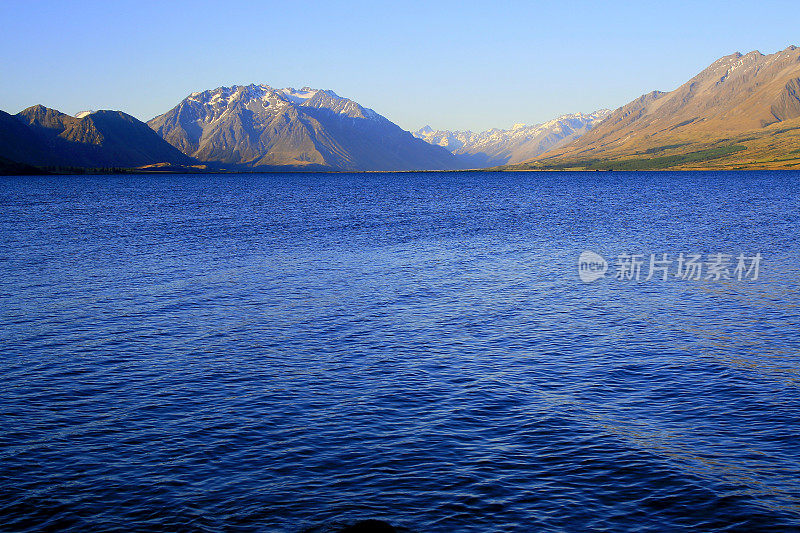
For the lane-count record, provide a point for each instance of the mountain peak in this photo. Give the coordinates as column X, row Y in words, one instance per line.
column 214, row 101
column 39, row 114
column 736, row 96
column 257, row 125
column 38, row 109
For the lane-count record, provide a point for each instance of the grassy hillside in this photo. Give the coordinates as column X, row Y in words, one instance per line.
column 742, row 111
column 774, row 147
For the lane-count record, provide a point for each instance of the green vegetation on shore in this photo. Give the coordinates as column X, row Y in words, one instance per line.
column 645, row 163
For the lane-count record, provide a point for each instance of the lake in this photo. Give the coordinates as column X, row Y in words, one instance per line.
column 297, row 352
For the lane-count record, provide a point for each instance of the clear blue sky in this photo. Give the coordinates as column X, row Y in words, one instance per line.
column 453, row 65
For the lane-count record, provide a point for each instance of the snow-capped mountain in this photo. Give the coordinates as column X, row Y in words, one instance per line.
column 259, row 126
column 520, row 143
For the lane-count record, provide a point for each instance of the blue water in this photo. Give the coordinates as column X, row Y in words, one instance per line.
column 298, row 352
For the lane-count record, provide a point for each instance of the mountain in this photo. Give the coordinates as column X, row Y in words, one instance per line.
column 258, row 126
column 45, row 137
column 498, row 147
column 98, row 139
column 741, row 111
column 18, row 142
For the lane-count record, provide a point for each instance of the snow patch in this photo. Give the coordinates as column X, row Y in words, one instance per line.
column 298, row 97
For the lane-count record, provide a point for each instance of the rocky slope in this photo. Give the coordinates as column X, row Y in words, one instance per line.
column 521, row 142
column 743, row 110
column 256, row 126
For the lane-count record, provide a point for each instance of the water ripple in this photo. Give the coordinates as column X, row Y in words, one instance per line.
column 302, row 352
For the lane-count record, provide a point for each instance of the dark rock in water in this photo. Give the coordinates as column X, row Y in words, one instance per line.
column 370, row 526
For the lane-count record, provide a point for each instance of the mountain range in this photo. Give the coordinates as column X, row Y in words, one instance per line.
column 522, row 142
column 44, row 137
column 743, row 111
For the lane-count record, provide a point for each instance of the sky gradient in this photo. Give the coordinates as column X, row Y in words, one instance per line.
column 453, row 65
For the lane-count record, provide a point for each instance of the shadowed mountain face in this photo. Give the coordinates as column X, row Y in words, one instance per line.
column 20, row 143
column 258, row 126
column 751, row 99
column 12, row 168
column 498, row 147
column 45, row 137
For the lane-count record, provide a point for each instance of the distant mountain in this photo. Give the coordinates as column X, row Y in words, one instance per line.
column 521, row 142
column 741, row 111
column 258, row 126
column 45, row 137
